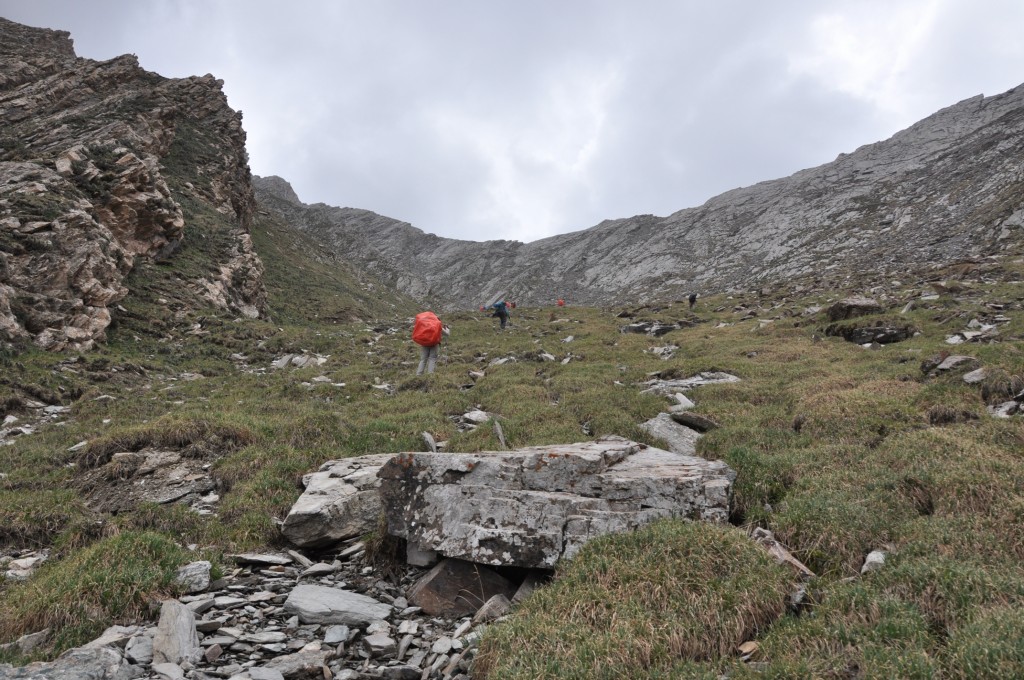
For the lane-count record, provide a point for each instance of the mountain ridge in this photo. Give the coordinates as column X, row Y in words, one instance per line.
column 943, row 189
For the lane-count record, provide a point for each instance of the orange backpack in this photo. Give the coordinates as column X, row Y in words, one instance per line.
column 427, row 329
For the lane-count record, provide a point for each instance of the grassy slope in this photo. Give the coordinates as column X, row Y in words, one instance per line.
column 832, row 443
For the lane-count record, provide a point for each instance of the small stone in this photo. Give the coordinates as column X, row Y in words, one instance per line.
column 318, row 569
column 228, row 602
column 401, row 672
column 213, row 653
column 380, row 644
column 442, row 645
column 28, row 643
column 495, row 607
column 974, row 377
column 874, row 561
column 335, row 634
column 170, row 671
column 259, row 673
column 139, row 649
column 260, row 559
column 194, row 577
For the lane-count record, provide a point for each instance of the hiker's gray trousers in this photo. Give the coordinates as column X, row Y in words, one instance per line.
column 428, row 358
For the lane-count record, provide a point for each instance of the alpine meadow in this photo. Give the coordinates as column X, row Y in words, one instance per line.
column 217, row 459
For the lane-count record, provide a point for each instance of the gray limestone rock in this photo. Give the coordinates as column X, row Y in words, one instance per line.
column 680, row 438
column 195, row 577
column 303, row 664
column 139, row 649
column 261, row 559
column 99, row 663
column 168, row 671
column 533, row 506
column 671, row 387
column 261, row 673
column 29, row 643
column 380, row 644
column 322, row 604
column 954, row 361
column 340, row 501
column 873, row 562
column 175, row 639
column 974, row 377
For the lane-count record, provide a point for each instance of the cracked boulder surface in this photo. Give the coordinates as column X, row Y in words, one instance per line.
column 534, row 506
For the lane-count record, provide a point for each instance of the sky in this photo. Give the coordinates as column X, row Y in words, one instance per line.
column 521, row 119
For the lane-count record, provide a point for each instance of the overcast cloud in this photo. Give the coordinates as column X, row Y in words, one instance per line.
column 521, row 119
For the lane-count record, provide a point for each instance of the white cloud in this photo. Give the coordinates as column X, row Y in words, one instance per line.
column 518, row 120
column 868, row 50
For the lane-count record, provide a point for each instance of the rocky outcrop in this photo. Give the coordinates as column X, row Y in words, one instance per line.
column 534, row 506
column 84, row 186
column 340, row 501
column 944, row 189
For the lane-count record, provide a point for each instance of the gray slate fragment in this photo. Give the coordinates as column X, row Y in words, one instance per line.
column 873, row 562
column 28, row 643
column 261, row 673
column 974, row 377
column 335, row 634
column 261, row 559
column 680, row 439
column 670, row 387
column 300, row 664
column 175, row 639
column 195, row 577
column 99, row 663
column 168, row 671
column 140, row 649
column 321, row 604
column 380, row 644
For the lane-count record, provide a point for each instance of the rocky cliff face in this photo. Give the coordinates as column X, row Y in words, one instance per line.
column 947, row 188
column 84, row 190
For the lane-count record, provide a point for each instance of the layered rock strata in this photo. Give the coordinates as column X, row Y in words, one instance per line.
column 84, row 190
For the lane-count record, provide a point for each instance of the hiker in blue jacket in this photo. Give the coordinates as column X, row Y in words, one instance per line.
column 501, row 311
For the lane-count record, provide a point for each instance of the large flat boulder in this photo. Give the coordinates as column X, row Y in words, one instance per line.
column 340, row 501
column 534, row 506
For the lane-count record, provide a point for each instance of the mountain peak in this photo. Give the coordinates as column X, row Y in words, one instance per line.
column 277, row 187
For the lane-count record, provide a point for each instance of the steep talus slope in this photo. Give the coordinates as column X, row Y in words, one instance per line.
column 948, row 187
column 86, row 194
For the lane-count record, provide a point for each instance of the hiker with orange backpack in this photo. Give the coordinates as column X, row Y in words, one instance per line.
column 427, row 332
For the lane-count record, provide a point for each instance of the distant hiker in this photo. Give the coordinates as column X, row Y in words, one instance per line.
column 427, row 332
column 561, row 302
column 692, row 299
column 501, row 311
